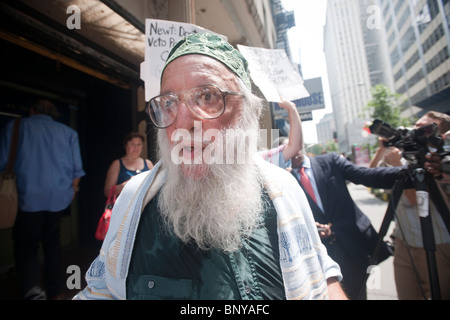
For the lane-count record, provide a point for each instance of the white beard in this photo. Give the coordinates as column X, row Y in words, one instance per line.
column 218, row 210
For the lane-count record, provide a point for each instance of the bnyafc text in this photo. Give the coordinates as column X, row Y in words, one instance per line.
column 239, row 309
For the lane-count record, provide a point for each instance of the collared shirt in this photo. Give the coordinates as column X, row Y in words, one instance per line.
column 276, row 157
column 409, row 228
column 309, row 172
column 48, row 159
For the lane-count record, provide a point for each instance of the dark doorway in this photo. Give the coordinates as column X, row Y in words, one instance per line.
column 100, row 112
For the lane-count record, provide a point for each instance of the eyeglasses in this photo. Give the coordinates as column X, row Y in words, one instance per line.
column 206, row 102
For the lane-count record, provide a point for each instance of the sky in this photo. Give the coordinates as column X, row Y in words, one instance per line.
column 306, row 41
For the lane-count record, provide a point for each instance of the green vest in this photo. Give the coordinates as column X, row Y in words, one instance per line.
column 163, row 267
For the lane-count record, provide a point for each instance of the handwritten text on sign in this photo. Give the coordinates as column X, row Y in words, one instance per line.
column 161, row 37
column 274, row 74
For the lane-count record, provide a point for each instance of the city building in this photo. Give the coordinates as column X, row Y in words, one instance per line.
column 284, row 20
column 418, row 41
column 402, row 44
column 326, row 129
column 347, row 65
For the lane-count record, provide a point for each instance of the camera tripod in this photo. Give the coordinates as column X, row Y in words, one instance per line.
column 425, row 186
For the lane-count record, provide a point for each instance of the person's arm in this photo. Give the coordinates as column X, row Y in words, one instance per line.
column 434, row 166
column 324, row 230
column 295, row 143
column 75, row 186
column 379, row 155
column 149, row 164
column 381, row 177
column 335, row 291
column 111, row 177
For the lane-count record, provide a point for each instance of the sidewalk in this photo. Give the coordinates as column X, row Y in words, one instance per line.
column 381, row 283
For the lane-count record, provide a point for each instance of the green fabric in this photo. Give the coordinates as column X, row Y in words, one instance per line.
column 162, row 267
column 215, row 47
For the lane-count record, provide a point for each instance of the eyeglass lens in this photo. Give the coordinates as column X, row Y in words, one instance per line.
column 206, row 102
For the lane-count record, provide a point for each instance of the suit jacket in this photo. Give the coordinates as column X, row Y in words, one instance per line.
column 352, row 227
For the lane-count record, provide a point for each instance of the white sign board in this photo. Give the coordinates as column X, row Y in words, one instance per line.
column 160, row 37
column 313, row 102
column 273, row 73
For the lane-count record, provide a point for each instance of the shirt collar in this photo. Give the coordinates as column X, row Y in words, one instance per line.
column 306, row 162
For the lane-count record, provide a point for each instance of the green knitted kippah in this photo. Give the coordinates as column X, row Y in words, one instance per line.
column 215, row 47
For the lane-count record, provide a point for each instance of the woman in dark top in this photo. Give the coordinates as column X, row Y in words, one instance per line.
column 131, row 164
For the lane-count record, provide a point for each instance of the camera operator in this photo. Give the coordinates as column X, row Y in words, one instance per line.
column 434, row 166
column 410, row 261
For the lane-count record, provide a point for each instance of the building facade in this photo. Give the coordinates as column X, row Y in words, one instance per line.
column 418, row 40
column 347, row 65
column 402, row 44
column 325, row 129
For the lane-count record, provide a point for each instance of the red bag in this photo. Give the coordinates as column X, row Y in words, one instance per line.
column 103, row 223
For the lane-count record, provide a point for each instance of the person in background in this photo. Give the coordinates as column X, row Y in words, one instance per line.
column 131, row 164
column 194, row 229
column 48, row 168
column 345, row 230
column 352, row 258
column 285, row 148
column 410, row 262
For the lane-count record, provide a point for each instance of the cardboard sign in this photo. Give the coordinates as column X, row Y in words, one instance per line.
column 160, row 37
column 273, row 73
column 313, row 102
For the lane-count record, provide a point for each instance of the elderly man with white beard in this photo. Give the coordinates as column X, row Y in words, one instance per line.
column 211, row 220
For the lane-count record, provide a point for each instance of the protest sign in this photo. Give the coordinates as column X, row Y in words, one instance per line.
column 273, row 73
column 315, row 100
column 160, row 37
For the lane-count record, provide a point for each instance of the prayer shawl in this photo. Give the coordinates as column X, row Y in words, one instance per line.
column 304, row 261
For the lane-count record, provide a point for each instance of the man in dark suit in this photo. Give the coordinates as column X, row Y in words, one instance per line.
column 349, row 236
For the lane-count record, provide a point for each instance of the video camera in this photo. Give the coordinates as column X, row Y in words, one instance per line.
column 414, row 143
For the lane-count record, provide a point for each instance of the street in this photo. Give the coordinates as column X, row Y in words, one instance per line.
column 381, row 283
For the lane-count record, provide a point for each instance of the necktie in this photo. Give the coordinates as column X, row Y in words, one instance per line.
column 304, row 179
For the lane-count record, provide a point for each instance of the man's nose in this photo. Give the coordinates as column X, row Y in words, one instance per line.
column 185, row 117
